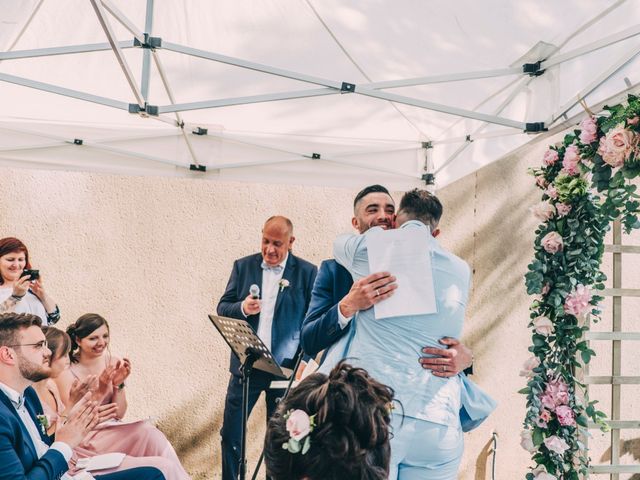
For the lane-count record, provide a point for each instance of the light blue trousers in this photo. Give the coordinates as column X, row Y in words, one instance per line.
column 423, row 450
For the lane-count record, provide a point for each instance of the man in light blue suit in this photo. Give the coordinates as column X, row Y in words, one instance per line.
column 26, row 451
column 427, row 442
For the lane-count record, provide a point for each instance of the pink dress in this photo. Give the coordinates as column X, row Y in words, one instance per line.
column 144, row 444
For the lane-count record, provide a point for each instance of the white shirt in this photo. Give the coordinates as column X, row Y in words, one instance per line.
column 17, row 401
column 28, row 304
column 269, row 293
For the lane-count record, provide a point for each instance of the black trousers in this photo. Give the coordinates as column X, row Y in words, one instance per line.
column 232, row 426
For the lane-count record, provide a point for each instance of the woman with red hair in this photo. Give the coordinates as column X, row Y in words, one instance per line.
column 23, row 293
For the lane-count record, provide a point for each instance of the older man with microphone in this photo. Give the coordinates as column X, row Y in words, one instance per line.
column 270, row 290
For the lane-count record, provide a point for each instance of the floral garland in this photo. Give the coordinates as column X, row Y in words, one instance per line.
column 586, row 185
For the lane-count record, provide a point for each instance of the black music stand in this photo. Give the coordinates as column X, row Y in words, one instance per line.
column 251, row 353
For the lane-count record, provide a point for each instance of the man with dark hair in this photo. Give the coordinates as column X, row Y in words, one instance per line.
column 428, row 441
column 285, row 282
column 26, row 451
column 336, row 298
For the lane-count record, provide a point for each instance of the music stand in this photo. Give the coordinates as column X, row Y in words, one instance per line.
column 251, row 353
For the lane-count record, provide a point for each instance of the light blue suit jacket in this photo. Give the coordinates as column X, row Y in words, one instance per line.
column 389, row 348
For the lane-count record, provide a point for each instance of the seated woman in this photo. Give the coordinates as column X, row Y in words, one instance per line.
column 331, row 427
column 91, row 363
column 20, row 294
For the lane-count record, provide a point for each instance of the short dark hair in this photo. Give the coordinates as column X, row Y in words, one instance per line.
column 351, row 436
column 12, row 323
column 422, row 205
column 367, row 190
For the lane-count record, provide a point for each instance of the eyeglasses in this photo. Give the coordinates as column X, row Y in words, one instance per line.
column 38, row 346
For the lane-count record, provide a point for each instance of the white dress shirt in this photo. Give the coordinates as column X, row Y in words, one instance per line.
column 17, row 401
column 269, row 292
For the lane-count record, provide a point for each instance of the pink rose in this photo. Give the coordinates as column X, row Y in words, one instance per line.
column 298, row 424
column 552, row 242
column 556, row 444
column 571, row 160
column 526, row 441
column 577, row 301
column 543, row 211
column 541, row 182
column 543, row 326
column 550, row 157
column 588, row 130
column 528, row 366
column 563, row 209
column 548, row 401
column 558, row 391
column 566, row 416
column 616, row 146
column 551, row 192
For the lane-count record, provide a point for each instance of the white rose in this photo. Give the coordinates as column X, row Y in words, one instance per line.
column 543, row 211
column 556, row 444
column 528, row 366
column 526, row 441
column 543, row 326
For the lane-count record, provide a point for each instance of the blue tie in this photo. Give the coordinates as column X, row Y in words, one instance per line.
column 275, row 268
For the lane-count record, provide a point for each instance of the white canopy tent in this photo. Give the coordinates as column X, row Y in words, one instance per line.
column 328, row 92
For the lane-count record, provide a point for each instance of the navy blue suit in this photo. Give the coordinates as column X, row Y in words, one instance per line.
column 291, row 304
column 320, row 328
column 18, row 456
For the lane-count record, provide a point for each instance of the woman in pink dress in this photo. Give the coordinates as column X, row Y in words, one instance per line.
column 92, row 367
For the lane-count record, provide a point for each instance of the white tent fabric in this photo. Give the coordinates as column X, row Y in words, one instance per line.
column 438, row 85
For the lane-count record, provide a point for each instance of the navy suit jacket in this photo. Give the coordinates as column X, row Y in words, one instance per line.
column 18, row 456
column 291, row 304
column 321, row 329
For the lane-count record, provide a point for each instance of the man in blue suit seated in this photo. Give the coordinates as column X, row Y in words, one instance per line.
column 285, row 283
column 26, row 452
column 336, row 298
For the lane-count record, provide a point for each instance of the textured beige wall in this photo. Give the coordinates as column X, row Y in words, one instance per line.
column 153, row 255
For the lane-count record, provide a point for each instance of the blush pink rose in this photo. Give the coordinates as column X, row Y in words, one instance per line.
column 556, row 444
column 563, row 209
column 543, row 211
column 541, row 182
column 588, row 130
column 577, row 301
column 298, row 424
column 548, row 401
column 528, row 366
column 566, row 416
column 552, row 242
column 540, row 473
column 558, row 391
column 616, row 146
column 551, row 192
column 571, row 160
column 550, row 157
column 543, row 326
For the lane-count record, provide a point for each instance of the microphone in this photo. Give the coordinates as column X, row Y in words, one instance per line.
column 254, row 291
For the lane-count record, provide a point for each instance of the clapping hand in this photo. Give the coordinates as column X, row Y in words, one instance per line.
column 82, row 418
column 122, row 371
column 105, row 381
column 80, row 388
column 107, row 412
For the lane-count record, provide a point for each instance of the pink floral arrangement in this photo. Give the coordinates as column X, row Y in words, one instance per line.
column 577, row 301
column 552, row 242
column 616, row 146
column 571, row 160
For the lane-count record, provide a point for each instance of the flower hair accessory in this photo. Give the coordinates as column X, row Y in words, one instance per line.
column 284, row 283
column 299, row 425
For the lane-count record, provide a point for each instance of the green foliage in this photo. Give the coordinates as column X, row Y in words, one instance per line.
column 552, row 277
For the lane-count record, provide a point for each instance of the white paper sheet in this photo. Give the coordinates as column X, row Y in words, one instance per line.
column 405, row 253
column 101, row 462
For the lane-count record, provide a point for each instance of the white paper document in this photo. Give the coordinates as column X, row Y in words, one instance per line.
column 101, row 462
column 405, row 253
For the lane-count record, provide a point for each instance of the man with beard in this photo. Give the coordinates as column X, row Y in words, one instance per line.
column 336, row 298
column 26, row 451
